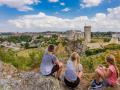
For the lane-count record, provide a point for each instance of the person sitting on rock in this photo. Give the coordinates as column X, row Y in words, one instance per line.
column 50, row 63
column 73, row 72
column 108, row 75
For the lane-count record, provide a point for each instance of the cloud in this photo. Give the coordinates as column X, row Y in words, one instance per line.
column 114, row 13
column 62, row 4
column 41, row 21
column 90, row 3
column 21, row 5
column 65, row 9
column 53, row 1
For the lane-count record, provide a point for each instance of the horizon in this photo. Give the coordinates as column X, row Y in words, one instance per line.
column 61, row 31
column 59, row 15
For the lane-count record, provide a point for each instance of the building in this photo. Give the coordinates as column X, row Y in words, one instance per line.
column 87, row 32
column 74, row 34
column 9, row 45
column 118, row 35
column 115, row 38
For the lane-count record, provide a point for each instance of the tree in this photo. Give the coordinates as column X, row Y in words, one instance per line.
column 27, row 45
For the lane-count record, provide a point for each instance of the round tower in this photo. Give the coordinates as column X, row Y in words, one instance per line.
column 87, row 32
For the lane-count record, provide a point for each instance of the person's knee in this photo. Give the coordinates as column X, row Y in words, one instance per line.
column 60, row 65
column 99, row 73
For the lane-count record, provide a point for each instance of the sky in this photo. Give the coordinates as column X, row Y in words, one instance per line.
column 59, row 15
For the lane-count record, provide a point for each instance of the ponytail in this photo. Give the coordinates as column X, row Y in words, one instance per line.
column 116, row 68
column 75, row 58
column 111, row 60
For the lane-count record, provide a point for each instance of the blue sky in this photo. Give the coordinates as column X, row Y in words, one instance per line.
column 43, row 15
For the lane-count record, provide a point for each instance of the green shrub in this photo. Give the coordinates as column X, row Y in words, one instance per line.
column 21, row 62
column 99, row 50
column 107, row 39
column 94, row 51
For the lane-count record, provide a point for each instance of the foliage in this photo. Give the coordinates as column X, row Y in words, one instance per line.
column 107, row 39
column 100, row 50
column 26, row 45
column 45, row 41
column 40, row 37
column 91, row 62
column 112, row 47
column 19, row 39
column 101, row 34
column 53, row 40
column 20, row 61
column 94, row 51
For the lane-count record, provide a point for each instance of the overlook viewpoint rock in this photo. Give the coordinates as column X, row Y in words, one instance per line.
column 11, row 79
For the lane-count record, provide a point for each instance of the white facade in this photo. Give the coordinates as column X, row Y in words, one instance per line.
column 115, row 38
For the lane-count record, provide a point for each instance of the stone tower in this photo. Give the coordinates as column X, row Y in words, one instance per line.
column 87, row 32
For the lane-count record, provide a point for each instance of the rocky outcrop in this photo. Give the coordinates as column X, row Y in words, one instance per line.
column 7, row 70
column 11, row 80
column 29, row 81
column 32, row 81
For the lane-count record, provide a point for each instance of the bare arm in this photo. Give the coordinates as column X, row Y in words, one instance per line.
column 80, row 71
column 79, row 74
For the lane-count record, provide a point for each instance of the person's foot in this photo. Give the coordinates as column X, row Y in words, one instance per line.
column 95, row 85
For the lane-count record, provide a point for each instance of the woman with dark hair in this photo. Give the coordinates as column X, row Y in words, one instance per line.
column 50, row 63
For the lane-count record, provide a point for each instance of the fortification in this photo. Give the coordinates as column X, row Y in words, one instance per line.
column 114, row 39
column 87, row 32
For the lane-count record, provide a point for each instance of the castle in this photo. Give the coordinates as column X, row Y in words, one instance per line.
column 115, row 38
column 77, row 34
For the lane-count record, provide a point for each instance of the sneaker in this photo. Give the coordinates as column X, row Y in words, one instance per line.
column 95, row 85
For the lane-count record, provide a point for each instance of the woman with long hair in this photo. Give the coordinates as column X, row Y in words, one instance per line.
column 73, row 72
column 109, row 75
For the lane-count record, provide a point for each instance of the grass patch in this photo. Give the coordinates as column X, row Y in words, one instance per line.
column 23, row 60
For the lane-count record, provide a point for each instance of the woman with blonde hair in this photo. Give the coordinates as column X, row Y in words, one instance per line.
column 73, row 72
column 109, row 75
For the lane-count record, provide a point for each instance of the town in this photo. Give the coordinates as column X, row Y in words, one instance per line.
column 88, row 38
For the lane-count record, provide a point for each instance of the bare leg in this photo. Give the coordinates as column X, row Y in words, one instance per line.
column 99, row 75
column 60, row 70
column 97, row 78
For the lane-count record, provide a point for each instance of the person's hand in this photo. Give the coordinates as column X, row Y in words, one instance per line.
column 101, row 67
